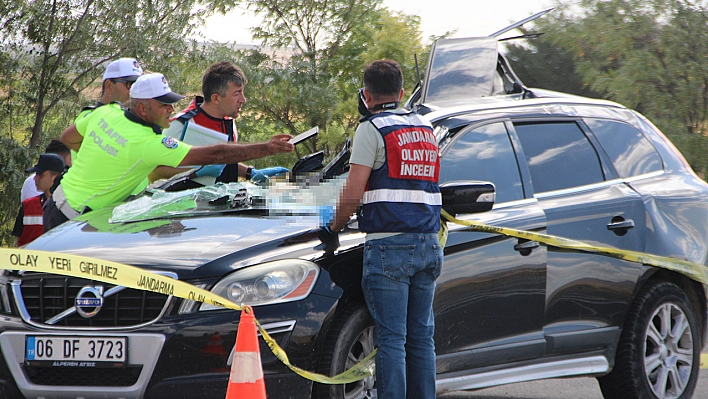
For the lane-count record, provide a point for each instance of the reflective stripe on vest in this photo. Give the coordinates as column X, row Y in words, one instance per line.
column 388, row 195
column 31, row 220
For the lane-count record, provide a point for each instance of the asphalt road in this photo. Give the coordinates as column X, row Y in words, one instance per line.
column 575, row 388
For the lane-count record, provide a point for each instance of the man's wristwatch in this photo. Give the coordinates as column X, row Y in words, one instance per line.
column 249, row 173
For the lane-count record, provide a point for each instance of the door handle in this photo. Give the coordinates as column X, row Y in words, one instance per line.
column 621, row 225
column 525, row 247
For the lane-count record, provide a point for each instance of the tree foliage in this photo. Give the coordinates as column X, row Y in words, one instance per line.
column 315, row 29
column 648, row 55
column 543, row 64
column 327, row 45
column 397, row 36
column 53, row 51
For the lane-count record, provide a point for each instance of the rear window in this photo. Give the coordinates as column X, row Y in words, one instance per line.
column 631, row 153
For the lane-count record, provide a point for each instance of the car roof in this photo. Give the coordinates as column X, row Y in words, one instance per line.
column 546, row 102
column 467, row 75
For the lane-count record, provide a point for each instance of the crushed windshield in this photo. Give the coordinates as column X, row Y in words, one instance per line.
column 278, row 197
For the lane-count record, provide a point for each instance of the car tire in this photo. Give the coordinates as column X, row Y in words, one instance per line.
column 350, row 339
column 658, row 355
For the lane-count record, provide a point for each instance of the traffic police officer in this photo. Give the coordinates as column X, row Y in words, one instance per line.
column 117, row 149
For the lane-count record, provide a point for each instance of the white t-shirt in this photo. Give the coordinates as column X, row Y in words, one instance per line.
column 29, row 189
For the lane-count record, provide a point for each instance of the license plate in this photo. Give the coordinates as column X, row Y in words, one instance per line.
column 57, row 350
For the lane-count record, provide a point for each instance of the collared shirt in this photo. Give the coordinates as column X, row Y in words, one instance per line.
column 118, row 152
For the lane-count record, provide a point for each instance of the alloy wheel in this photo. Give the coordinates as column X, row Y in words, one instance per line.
column 668, row 351
column 362, row 346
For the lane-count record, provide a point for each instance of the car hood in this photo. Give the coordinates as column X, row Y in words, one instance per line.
column 187, row 229
column 176, row 243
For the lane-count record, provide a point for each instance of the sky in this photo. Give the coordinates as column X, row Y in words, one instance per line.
column 469, row 17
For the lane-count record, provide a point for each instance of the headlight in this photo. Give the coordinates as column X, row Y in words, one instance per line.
column 274, row 282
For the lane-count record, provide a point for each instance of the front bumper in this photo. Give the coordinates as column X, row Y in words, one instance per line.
column 179, row 357
column 143, row 352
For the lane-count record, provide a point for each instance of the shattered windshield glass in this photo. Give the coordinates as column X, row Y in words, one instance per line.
column 279, row 197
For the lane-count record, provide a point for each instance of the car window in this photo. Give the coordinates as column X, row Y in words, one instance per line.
column 484, row 153
column 559, row 155
column 630, row 152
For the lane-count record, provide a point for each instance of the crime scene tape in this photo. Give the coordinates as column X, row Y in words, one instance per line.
column 692, row 270
column 137, row 278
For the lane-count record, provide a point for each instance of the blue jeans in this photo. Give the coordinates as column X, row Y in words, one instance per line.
column 399, row 284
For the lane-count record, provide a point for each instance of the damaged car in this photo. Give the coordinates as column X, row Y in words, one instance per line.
column 506, row 309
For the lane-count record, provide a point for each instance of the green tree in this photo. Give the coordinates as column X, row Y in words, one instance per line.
column 397, row 36
column 541, row 63
column 321, row 48
column 323, row 42
column 58, row 48
column 52, row 52
column 649, row 55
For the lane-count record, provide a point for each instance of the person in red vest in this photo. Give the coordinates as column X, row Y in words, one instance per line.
column 46, row 170
column 223, row 86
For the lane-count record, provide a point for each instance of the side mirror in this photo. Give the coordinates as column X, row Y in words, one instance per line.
column 467, row 196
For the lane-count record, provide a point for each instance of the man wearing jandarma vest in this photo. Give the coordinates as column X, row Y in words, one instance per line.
column 394, row 176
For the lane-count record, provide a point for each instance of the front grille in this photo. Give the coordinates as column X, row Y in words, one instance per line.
column 45, row 296
column 83, row 376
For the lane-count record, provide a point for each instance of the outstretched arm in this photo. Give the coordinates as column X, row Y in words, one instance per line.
column 229, row 153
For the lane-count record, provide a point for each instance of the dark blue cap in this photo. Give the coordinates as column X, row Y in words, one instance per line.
column 47, row 161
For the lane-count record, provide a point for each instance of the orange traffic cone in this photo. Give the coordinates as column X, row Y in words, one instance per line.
column 246, row 378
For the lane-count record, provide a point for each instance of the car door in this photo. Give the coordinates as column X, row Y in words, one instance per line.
column 583, row 199
column 490, row 297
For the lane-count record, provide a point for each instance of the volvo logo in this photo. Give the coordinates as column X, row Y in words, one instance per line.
column 89, row 301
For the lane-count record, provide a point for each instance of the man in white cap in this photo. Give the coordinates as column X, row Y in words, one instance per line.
column 118, row 148
column 117, row 79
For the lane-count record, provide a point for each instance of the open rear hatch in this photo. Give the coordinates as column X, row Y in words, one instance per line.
column 460, row 69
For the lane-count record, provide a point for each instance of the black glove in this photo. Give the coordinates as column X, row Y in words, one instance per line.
column 329, row 238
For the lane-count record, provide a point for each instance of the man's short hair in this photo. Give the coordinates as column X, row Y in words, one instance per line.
column 218, row 76
column 56, row 147
column 383, row 78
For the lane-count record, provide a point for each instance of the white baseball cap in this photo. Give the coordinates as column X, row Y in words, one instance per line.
column 154, row 85
column 123, row 68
